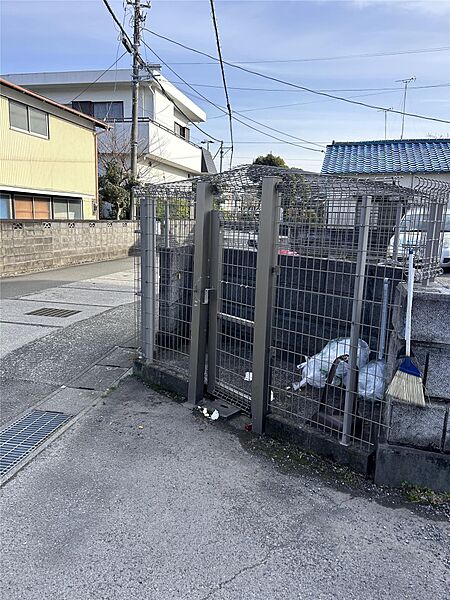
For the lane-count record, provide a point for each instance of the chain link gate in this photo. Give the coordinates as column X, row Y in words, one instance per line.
column 294, row 277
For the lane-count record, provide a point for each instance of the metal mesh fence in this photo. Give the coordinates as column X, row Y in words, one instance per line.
column 237, row 198
column 341, row 247
column 167, row 242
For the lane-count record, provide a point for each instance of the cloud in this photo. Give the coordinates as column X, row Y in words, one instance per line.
column 428, row 7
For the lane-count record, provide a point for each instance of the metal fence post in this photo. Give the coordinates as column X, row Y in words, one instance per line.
column 216, row 241
column 265, row 273
column 199, row 321
column 433, row 241
column 167, row 224
column 148, row 278
column 358, row 299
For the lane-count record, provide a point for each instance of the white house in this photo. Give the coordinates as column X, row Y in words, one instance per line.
column 166, row 152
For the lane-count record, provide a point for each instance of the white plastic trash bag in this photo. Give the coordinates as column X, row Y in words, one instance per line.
column 315, row 370
column 372, row 380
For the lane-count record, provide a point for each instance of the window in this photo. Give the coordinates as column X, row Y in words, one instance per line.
column 181, row 131
column 31, row 207
column 110, row 111
column 67, row 208
column 85, row 107
column 28, row 119
column 75, row 209
column 5, row 206
column 18, row 115
column 38, row 122
column 59, row 209
column 41, row 208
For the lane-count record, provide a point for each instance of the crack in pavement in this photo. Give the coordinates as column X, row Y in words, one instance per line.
column 272, row 550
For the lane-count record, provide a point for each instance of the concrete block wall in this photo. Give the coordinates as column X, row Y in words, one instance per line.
column 29, row 246
column 430, row 335
column 417, row 449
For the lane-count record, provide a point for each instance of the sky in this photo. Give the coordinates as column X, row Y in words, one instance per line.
column 59, row 35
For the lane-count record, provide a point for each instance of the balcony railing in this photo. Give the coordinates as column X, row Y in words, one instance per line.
column 159, row 125
column 157, row 141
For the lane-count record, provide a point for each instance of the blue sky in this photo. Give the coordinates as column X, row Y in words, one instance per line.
column 53, row 35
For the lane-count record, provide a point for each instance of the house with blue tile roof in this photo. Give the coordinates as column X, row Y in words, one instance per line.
column 400, row 159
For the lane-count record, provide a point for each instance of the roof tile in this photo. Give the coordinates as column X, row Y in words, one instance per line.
column 388, row 156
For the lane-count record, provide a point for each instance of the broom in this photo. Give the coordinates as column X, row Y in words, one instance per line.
column 407, row 385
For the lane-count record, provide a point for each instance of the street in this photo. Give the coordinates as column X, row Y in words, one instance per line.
column 41, row 353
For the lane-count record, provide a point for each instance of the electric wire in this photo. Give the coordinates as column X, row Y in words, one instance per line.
column 99, row 77
column 224, row 81
column 224, row 111
column 144, row 65
column 246, row 110
column 118, row 23
column 295, row 85
column 379, row 89
column 326, row 58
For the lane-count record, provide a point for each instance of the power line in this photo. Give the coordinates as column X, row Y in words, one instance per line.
column 117, row 53
column 172, row 101
column 326, row 58
column 129, row 47
column 223, row 110
column 245, row 110
column 380, row 89
column 294, row 85
column 100, row 76
column 224, row 81
column 126, row 40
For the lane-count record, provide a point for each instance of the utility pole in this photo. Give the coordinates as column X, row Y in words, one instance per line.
column 221, row 153
column 406, row 82
column 221, row 157
column 135, row 103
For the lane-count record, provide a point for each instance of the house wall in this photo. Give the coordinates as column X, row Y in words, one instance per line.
column 63, row 164
column 163, row 109
column 172, row 158
column 161, row 173
column 64, row 94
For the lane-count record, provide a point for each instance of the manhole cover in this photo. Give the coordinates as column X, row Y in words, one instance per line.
column 23, row 436
column 53, row 312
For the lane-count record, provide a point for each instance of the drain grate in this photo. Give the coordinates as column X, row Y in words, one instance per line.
column 53, row 312
column 23, row 436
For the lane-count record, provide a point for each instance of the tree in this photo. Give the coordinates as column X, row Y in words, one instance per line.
column 270, row 160
column 114, row 188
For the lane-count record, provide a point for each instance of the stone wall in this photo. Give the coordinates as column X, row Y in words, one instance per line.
column 29, row 246
column 417, row 448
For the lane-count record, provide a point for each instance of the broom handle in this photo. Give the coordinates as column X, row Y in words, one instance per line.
column 409, row 300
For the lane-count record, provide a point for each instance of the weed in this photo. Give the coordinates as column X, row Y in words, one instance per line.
column 423, row 495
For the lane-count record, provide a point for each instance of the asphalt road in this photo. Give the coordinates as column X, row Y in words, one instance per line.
column 12, row 287
column 144, row 499
column 41, row 353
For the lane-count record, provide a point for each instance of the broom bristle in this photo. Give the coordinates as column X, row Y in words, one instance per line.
column 406, row 388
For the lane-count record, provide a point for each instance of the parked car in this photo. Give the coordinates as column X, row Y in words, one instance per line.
column 412, row 235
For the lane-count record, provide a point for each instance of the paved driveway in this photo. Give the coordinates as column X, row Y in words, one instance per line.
column 143, row 499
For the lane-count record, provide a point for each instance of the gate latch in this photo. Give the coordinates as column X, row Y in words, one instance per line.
column 207, row 293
